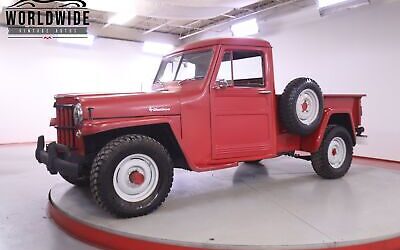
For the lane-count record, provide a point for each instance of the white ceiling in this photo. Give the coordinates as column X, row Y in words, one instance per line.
column 170, row 20
column 184, row 9
column 174, row 9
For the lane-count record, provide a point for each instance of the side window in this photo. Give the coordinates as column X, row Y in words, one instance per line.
column 245, row 68
column 225, row 70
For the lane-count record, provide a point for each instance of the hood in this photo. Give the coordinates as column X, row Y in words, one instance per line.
column 120, row 105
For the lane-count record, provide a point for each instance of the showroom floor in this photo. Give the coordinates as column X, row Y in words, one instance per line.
column 24, row 187
column 26, row 225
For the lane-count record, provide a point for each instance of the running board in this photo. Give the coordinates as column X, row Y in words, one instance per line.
column 298, row 156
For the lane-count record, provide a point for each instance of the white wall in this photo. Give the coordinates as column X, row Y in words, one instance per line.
column 355, row 51
column 33, row 71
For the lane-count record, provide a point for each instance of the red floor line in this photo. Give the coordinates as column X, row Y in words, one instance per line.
column 108, row 240
column 103, row 239
column 376, row 159
column 393, row 165
column 20, row 143
column 16, row 143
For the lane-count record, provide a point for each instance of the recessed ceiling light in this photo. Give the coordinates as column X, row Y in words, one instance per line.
column 327, row 7
column 121, row 18
column 324, row 3
column 111, row 6
column 246, row 28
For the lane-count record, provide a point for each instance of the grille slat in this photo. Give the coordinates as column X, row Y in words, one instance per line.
column 65, row 125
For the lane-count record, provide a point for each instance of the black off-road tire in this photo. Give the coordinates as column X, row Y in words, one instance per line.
column 79, row 182
column 320, row 160
column 287, row 106
column 105, row 163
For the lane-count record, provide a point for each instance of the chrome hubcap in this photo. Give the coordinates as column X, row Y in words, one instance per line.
column 307, row 106
column 136, row 177
column 337, row 152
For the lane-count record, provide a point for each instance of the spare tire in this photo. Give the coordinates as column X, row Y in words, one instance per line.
column 301, row 106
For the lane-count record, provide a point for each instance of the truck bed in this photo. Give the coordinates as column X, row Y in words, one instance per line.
column 342, row 109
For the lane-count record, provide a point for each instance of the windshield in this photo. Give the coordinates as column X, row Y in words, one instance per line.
column 189, row 66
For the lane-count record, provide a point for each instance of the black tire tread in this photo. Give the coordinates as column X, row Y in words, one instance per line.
column 102, row 157
column 287, row 106
column 318, row 159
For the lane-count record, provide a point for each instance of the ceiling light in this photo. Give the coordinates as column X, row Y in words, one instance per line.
column 123, row 10
column 327, row 7
column 324, row 3
column 111, row 6
column 78, row 41
column 246, row 28
column 157, row 48
column 121, row 18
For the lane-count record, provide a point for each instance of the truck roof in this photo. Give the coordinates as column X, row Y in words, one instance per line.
column 224, row 41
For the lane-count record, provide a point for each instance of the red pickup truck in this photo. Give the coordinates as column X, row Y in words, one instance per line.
column 213, row 105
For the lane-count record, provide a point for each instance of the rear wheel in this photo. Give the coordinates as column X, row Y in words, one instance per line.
column 131, row 176
column 333, row 159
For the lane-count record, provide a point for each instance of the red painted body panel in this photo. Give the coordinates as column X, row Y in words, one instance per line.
column 251, row 42
column 215, row 128
column 242, row 120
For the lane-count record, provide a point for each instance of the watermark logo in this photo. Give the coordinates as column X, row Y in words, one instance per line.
column 47, row 19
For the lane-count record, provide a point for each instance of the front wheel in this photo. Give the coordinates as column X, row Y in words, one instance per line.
column 131, row 176
column 333, row 159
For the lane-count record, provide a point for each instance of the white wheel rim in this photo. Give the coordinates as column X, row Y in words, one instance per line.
column 135, row 177
column 307, row 106
column 337, row 152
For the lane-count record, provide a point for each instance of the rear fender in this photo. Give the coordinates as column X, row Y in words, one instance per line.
column 311, row 143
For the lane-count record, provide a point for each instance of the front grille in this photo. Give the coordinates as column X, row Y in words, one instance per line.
column 65, row 125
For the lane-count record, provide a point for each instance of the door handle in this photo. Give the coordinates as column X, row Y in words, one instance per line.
column 264, row 92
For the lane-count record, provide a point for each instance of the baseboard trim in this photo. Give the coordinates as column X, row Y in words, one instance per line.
column 375, row 159
column 16, row 143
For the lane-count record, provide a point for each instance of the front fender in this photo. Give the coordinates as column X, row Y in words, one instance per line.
column 91, row 127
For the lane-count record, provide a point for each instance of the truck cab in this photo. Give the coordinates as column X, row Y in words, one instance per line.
column 212, row 105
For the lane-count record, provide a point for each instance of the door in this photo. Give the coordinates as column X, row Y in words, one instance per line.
column 242, row 106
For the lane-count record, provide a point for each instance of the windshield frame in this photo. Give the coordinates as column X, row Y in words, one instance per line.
column 182, row 54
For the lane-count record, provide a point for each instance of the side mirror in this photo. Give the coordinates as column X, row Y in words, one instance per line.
column 223, row 84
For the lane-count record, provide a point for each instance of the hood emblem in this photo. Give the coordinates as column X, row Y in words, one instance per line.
column 159, row 109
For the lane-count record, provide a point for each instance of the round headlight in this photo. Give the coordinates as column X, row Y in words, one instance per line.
column 78, row 114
